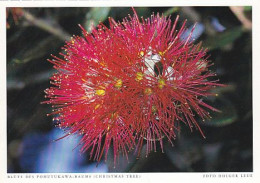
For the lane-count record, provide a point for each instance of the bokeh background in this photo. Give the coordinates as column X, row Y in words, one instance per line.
column 35, row 33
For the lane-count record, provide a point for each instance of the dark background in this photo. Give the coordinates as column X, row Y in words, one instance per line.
column 40, row 32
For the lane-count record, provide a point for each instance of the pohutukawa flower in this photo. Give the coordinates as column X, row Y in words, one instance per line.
column 131, row 83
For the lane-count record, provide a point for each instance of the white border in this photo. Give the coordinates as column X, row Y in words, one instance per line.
column 142, row 177
column 117, row 3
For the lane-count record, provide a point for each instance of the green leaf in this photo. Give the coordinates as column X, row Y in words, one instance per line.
column 96, row 15
column 171, row 11
column 226, row 116
column 222, row 39
column 247, row 8
column 143, row 11
column 37, row 51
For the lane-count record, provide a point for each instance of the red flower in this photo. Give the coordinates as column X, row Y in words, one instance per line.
column 131, row 83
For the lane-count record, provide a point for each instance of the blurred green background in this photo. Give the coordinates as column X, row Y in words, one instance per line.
column 36, row 33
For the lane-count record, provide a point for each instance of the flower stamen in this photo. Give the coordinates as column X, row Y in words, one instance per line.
column 161, row 83
column 97, row 106
column 139, row 76
column 141, row 53
column 101, row 91
column 162, row 53
column 118, row 83
column 148, row 91
column 114, row 115
column 154, row 109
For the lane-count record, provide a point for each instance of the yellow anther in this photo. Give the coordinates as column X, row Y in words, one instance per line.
column 162, row 53
column 119, row 83
column 114, row 115
column 97, row 106
column 103, row 64
column 216, row 94
column 100, row 92
column 72, row 40
column 148, row 91
column 139, row 76
column 161, row 83
column 154, row 108
column 141, row 53
column 84, row 97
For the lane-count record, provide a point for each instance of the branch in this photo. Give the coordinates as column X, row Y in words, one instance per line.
column 239, row 13
column 52, row 28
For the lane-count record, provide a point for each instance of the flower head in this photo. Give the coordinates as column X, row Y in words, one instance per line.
column 130, row 83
